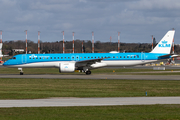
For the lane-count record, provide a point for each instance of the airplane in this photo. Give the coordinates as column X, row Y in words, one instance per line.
column 1, row 55
column 69, row 62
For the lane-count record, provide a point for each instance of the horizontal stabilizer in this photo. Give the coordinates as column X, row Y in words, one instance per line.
column 169, row 56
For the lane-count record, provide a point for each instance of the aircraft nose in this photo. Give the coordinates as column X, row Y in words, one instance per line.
column 6, row 63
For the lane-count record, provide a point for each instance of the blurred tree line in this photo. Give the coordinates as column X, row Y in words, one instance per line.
column 99, row 47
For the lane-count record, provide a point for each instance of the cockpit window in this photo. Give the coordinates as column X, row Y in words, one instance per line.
column 14, row 58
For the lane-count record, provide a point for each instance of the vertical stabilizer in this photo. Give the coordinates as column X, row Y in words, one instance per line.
column 164, row 46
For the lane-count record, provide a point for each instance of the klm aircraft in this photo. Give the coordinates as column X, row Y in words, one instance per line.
column 70, row 62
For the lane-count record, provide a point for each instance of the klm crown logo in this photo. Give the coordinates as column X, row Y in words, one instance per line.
column 164, row 44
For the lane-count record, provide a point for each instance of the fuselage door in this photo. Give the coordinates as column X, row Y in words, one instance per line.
column 142, row 57
column 24, row 58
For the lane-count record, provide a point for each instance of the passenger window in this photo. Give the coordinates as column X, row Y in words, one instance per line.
column 117, row 57
column 124, row 56
column 51, row 57
column 47, row 57
column 40, row 57
column 58, row 57
column 54, row 57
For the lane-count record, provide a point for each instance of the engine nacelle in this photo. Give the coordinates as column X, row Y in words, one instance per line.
column 66, row 67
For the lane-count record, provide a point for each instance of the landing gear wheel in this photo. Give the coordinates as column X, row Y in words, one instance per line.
column 21, row 73
column 88, row 72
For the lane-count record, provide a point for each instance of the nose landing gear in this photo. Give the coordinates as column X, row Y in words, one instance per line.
column 21, row 72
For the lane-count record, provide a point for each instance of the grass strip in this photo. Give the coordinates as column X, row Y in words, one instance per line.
column 137, row 112
column 15, row 88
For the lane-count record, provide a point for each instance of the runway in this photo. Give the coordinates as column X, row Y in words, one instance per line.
column 62, row 102
column 95, row 76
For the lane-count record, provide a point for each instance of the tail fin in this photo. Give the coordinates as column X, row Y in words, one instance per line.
column 0, row 48
column 164, row 46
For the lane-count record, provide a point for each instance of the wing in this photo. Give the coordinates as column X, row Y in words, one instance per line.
column 88, row 63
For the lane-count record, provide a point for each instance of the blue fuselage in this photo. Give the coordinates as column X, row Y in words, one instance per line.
column 119, row 59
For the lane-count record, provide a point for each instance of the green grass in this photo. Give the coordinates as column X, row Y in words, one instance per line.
column 44, row 88
column 150, row 112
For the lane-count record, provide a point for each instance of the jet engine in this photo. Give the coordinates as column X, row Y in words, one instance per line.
column 66, row 67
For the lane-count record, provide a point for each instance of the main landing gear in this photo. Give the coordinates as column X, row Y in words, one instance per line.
column 21, row 72
column 88, row 72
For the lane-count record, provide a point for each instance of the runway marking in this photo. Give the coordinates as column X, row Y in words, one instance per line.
column 62, row 102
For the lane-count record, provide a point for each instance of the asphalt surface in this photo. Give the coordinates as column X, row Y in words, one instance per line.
column 96, row 76
column 62, row 102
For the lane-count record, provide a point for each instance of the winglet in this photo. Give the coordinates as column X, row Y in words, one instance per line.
column 164, row 46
